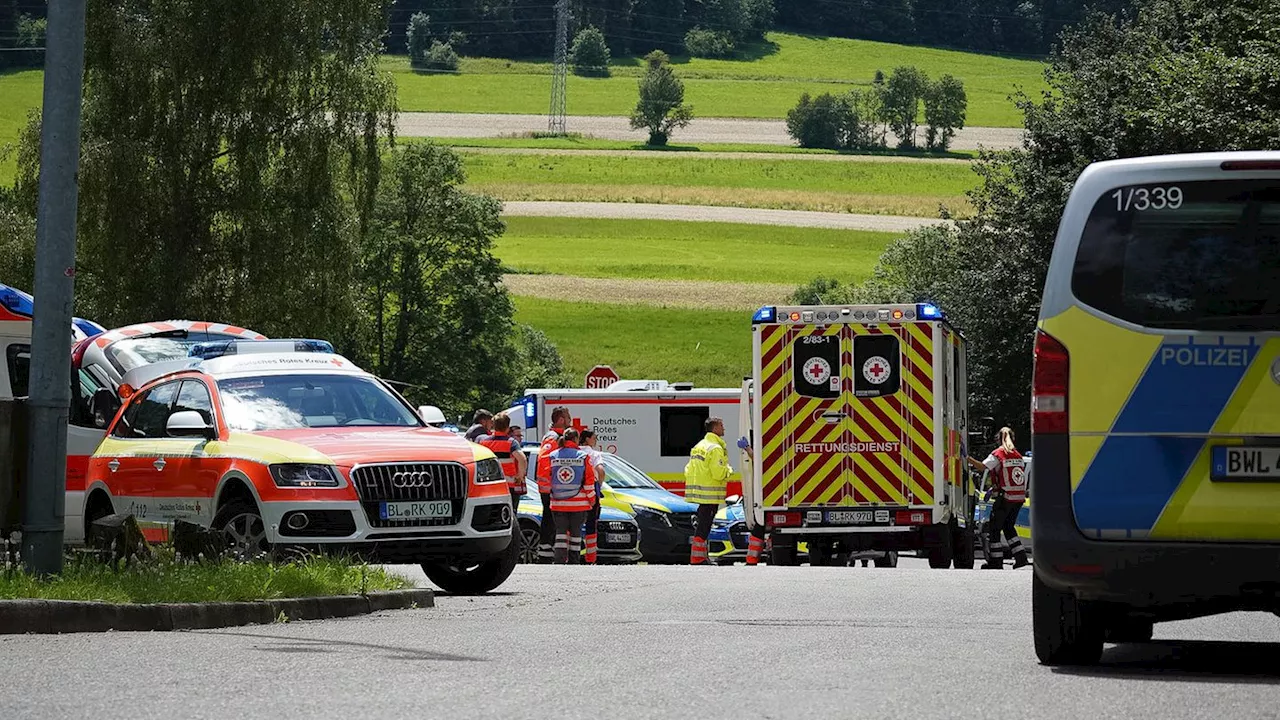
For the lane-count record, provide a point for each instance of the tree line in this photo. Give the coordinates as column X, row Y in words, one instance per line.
column 22, row 30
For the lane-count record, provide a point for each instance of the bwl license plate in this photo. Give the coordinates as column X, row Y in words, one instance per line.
column 850, row 517
column 617, row 538
column 1246, row 463
column 417, row 510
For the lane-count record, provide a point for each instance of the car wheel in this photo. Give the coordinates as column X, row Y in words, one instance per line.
column 476, row 579
column 1067, row 631
column 242, row 528
column 940, row 555
column 99, row 507
column 530, row 535
column 888, row 560
column 962, row 544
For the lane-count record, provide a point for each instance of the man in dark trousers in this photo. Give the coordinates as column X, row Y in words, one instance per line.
column 560, row 420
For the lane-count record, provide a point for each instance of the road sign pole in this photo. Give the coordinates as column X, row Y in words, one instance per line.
column 50, row 388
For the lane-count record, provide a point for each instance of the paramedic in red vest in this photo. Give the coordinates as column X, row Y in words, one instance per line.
column 705, row 476
column 550, row 442
column 507, row 449
column 1009, row 490
column 573, row 494
column 587, row 442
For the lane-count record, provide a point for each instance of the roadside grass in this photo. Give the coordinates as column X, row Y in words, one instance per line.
column 673, row 250
column 872, row 187
column 578, row 142
column 19, row 93
column 162, row 580
column 766, row 84
column 711, row 348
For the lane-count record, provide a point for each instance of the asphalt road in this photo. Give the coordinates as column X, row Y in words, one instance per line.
column 701, row 130
column 653, row 642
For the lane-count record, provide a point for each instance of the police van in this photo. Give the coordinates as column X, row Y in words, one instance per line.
column 1156, row 402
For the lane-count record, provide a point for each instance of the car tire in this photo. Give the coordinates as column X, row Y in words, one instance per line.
column 242, row 527
column 888, row 560
column 530, row 536
column 1067, row 631
column 940, row 555
column 475, row 579
column 1130, row 630
column 783, row 555
column 99, row 506
column 962, row 544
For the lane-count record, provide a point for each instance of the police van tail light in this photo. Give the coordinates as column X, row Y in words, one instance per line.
column 1049, row 386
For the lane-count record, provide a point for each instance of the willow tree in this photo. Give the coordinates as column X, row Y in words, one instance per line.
column 230, row 155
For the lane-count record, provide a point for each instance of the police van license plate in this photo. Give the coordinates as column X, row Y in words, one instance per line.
column 850, row 517
column 1246, row 463
column 417, row 510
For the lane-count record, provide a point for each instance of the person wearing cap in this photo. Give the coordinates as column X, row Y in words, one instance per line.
column 482, row 425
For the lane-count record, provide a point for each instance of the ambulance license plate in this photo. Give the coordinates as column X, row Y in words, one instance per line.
column 850, row 517
column 618, row 538
column 1234, row 462
column 416, row 510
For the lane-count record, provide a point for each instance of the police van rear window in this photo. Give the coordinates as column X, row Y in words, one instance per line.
column 1196, row 255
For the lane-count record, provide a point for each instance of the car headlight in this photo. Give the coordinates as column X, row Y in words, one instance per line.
column 657, row 516
column 300, row 475
column 489, row 471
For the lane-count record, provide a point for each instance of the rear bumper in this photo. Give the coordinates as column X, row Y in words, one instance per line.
column 1164, row 580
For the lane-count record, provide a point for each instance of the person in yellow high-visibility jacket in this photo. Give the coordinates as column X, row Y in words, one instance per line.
column 705, row 477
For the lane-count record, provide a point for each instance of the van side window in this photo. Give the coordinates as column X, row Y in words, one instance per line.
column 680, row 428
column 18, row 359
column 147, row 414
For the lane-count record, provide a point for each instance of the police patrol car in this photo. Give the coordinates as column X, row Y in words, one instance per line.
column 1156, row 401
column 285, row 443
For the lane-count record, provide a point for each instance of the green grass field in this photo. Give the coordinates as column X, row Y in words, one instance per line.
column 706, row 347
column 19, row 93
column 661, row 249
column 914, row 189
column 765, row 87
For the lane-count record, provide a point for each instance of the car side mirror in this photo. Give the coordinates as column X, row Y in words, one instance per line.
column 431, row 415
column 189, row 423
column 103, row 405
column 733, row 500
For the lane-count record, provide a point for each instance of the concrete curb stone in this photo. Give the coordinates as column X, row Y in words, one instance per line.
column 67, row 616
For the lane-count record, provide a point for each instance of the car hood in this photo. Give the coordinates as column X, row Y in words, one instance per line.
column 351, row 446
column 731, row 514
column 531, row 507
column 656, row 498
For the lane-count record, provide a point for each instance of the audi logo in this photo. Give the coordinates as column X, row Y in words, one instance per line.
column 405, row 480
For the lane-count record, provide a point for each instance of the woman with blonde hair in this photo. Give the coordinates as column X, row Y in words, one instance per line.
column 1009, row 487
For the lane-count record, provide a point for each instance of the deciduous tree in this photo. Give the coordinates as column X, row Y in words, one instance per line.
column 661, row 108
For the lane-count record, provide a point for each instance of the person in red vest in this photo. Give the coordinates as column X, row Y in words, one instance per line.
column 507, row 449
column 560, row 420
column 1009, row 492
column 587, row 442
column 573, row 494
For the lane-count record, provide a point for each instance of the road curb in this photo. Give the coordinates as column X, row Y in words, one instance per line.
column 18, row 617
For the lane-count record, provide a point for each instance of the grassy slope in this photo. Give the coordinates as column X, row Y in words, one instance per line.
column 668, row 250
column 19, row 92
column 766, row 87
column 871, row 187
column 709, row 348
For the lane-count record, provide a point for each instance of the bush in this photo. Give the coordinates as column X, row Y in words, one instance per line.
column 945, row 104
column 700, row 42
column 441, row 57
column 419, row 35
column 845, row 122
column 661, row 108
column 590, row 53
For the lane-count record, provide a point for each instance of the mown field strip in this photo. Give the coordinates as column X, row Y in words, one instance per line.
column 658, row 293
column 689, row 251
column 704, row 213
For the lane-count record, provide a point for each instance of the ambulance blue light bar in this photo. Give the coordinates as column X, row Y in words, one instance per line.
column 925, row 311
column 765, row 314
column 211, row 350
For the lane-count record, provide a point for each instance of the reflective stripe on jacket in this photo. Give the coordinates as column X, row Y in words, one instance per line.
column 573, row 480
column 707, row 471
column 504, row 447
column 550, row 442
column 1011, row 475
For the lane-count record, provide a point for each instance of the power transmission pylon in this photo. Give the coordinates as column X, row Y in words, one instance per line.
column 560, row 69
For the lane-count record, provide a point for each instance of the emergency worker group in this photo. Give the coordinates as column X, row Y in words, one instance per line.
column 570, row 471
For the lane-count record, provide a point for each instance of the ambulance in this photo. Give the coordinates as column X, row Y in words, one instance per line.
column 856, row 420
column 652, row 423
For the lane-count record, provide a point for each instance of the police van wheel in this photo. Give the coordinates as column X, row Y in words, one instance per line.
column 1067, row 631
column 475, row 579
column 530, row 536
column 963, row 544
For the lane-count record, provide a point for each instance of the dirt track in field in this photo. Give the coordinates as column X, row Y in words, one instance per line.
column 659, row 293
column 706, row 213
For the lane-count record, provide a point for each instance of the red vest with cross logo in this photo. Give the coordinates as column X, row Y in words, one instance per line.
column 1011, row 474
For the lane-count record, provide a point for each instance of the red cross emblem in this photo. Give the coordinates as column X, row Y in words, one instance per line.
column 817, row 370
column 565, row 475
column 337, row 362
column 876, row 370
column 577, row 425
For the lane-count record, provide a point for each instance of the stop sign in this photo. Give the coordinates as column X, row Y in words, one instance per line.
column 601, row 377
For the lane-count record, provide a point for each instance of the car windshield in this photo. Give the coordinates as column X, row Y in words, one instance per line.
column 290, row 402
column 130, row 353
column 623, row 475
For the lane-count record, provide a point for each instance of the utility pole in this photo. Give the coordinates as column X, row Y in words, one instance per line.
column 50, row 385
column 560, row 69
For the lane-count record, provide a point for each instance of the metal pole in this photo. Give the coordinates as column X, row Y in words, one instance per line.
column 50, row 390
